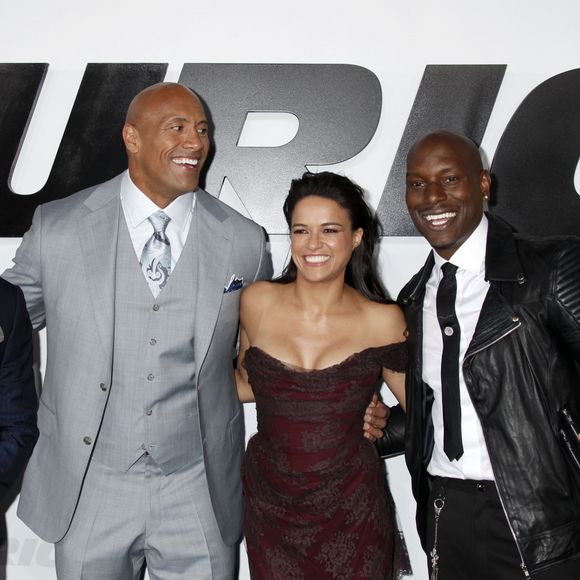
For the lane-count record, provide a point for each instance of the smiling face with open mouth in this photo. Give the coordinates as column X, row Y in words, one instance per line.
column 167, row 141
column 322, row 238
column 446, row 187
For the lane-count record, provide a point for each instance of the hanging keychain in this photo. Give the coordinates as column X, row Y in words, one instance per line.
column 438, row 506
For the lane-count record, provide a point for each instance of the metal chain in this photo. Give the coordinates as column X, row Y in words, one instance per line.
column 438, row 507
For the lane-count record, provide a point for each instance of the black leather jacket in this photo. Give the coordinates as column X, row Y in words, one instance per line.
column 523, row 375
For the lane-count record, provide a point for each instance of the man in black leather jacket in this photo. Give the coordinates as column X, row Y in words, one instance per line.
column 508, row 505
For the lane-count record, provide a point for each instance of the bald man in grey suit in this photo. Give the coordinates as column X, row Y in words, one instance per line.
column 141, row 431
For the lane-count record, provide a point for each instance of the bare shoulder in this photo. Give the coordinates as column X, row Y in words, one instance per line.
column 258, row 306
column 259, row 292
column 385, row 321
column 259, row 296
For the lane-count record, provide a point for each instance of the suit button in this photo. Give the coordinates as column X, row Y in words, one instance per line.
column 149, row 412
column 103, row 387
column 515, row 318
column 87, row 440
column 150, row 377
column 153, row 342
column 155, row 307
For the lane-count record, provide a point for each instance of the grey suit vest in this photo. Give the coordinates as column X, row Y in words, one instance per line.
column 153, row 401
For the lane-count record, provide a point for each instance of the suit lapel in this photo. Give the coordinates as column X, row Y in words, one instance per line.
column 97, row 233
column 214, row 248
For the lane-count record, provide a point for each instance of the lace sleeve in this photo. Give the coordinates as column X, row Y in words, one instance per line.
column 394, row 357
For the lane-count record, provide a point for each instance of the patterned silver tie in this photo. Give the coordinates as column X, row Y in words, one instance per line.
column 156, row 256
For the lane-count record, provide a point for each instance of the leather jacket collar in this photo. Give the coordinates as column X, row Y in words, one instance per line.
column 502, row 263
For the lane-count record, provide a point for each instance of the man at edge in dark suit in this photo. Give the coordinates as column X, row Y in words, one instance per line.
column 18, row 432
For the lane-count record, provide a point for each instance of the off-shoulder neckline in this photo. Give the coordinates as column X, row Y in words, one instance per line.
column 300, row 369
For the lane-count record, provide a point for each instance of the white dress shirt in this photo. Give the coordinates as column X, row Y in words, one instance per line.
column 471, row 291
column 137, row 207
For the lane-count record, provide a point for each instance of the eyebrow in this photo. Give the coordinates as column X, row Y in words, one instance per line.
column 443, row 170
column 326, row 224
column 187, row 120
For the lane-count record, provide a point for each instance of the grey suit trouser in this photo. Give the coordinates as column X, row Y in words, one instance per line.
column 128, row 520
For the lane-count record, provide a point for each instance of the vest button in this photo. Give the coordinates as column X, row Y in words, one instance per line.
column 149, row 412
column 103, row 387
column 87, row 440
column 155, row 307
column 515, row 318
column 153, row 342
column 150, row 377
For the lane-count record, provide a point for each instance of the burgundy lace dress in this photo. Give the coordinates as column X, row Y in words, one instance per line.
column 316, row 502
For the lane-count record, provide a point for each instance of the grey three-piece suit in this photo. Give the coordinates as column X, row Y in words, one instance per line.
column 127, row 373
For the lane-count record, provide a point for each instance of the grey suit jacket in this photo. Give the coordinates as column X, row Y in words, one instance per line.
column 66, row 269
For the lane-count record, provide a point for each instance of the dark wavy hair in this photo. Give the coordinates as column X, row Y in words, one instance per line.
column 361, row 271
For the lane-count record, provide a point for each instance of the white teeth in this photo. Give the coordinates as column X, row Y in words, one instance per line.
column 186, row 161
column 440, row 216
column 316, row 259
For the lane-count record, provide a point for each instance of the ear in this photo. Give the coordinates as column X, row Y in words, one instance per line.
column 485, row 184
column 357, row 237
column 131, row 138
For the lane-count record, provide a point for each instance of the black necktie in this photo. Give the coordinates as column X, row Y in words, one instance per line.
column 451, row 334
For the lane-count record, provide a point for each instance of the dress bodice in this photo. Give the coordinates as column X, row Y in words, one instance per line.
column 318, row 411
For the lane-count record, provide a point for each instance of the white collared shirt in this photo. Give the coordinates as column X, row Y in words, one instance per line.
column 471, row 291
column 137, row 207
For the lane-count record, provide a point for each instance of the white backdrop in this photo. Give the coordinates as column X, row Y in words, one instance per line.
column 395, row 40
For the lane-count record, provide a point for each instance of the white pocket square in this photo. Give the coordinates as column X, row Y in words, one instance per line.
column 234, row 284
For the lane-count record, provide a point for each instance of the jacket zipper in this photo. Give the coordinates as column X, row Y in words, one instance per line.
column 522, row 564
column 569, row 439
column 488, row 344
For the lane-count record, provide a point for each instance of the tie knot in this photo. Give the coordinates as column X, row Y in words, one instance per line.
column 448, row 269
column 159, row 221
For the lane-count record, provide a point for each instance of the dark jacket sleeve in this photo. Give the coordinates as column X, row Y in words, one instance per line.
column 18, row 401
column 565, row 305
column 393, row 441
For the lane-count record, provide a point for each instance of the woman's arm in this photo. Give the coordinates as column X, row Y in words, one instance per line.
column 245, row 393
column 396, row 383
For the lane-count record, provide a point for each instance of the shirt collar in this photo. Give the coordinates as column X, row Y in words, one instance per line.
column 138, row 207
column 471, row 254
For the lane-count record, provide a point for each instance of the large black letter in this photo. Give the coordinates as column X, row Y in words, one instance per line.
column 91, row 150
column 533, row 167
column 453, row 97
column 19, row 87
column 338, row 108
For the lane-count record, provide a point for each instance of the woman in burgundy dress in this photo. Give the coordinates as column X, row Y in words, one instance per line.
column 315, row 344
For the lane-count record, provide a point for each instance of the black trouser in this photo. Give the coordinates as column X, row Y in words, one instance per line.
column 474, row 541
